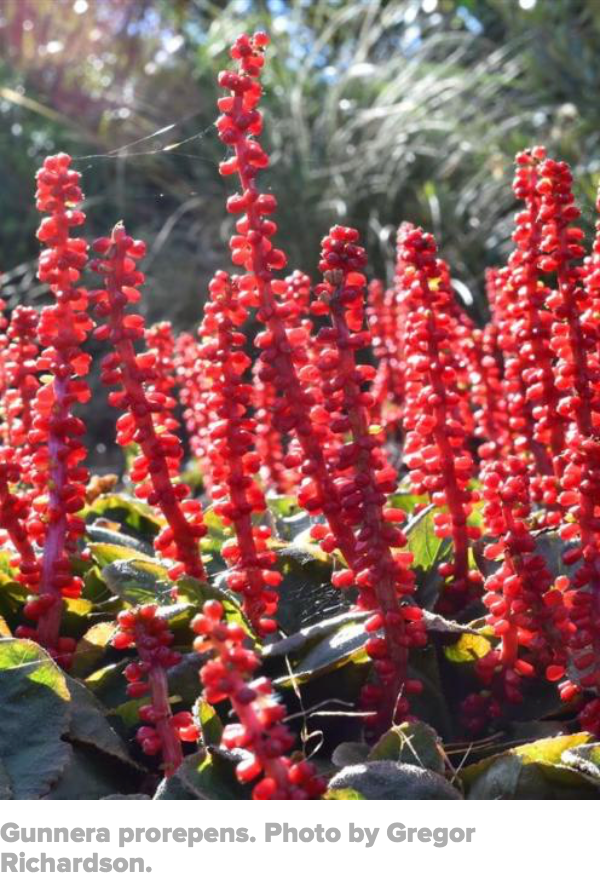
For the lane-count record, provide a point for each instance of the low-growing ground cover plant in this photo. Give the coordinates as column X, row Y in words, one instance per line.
column 380, row 576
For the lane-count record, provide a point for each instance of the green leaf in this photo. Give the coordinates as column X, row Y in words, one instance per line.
column 306, row 595
column 94, row 587
column 347, row 793
column 196, row 592
column 88, row 778
column 128, row 711
column 414, row 743
column 468, row 648
column 206, row 775
column 283, row 506
column 303, row 640
column 349, row 753
column 405, row 501
column 386, row 779
column 103, row 535
column 88, row 723
column 344, row 646
column 290, row 523
column 13, row 595
column 7, row 571
column 76, row 613
column 109, row 684
column 6, row 791
column 531, row 771
column 432, row 703
column 209, row 722
column 105, row 553
column 123, row 508
column 138, row 581
column 172, row 788
column 217, row 533
column 429, row 551
column 184, row 689
column 584, row 759
column 34, row 698
column 91, row 649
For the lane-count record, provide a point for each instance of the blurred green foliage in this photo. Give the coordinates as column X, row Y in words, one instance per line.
column 375, row 112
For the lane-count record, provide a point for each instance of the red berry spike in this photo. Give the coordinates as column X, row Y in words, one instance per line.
column 145, row 394
column 260, row 732
column 284, row 363
column 364, row 477
column 144, row 629
column 435, row 420
column 57, row 472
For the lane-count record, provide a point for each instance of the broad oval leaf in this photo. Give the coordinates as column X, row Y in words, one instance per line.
column 414, row 743
column 35, row 703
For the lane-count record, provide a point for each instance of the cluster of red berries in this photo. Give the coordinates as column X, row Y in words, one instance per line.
column 388, row 389
column 531, row 320
column 527, row 606
column 14, row 511
column 260, row 732
column 284, row 363
column 147, row 419
column 20, row 376
column 486, row 392
column 364, row 479
column 279, row 460
column 575, row 343
column 436, row 451
column 145, row 629
column 55, row 468
column 191, row 382
column 231, row 455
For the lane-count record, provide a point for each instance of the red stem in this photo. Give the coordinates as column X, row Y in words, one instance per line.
column 47, row 628
column 163, row 720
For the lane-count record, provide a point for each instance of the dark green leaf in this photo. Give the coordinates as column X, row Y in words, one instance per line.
column 207, row 776
column 196, row 592
column 429, row 551
column 532, row 771
column 6, row 791
column 103, row 535
column 88, row 723
column 343, row 646
column 385, row 779
column 34, row 699
column 584, row 759
column 91, row 649
column 209, row 722
column 300, row 641
column 88, row 778
column 105, row 553
column 412, row 743
column 138, row 581
column 306, row 595
column 349, row 753
column 126, row 510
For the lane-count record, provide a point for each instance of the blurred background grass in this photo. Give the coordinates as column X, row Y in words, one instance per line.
column 375, row 112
